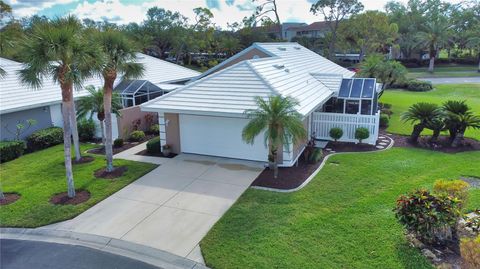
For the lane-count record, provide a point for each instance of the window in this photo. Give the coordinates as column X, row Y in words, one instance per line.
column 366, row 107
column 351, row 106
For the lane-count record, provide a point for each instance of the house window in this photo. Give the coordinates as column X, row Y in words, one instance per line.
column 366, row 107
column 351, row 106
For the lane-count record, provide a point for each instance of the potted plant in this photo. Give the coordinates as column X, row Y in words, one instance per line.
column 166, row 150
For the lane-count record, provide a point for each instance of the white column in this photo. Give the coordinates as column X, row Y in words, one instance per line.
column 162, row 128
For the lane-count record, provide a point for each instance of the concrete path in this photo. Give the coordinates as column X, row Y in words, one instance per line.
column 452, row 80
column 172, row 207
column 130, row 154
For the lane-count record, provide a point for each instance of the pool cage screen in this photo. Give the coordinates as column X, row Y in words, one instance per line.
column 136, row 92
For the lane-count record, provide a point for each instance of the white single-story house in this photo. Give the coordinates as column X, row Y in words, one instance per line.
column 19, row 102
column 207, row 116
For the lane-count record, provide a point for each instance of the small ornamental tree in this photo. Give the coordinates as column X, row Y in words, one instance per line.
column 361, row 134
column 336, row 133
column 429, row 217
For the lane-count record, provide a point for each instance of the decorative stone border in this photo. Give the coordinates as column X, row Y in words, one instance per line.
column 324, row 161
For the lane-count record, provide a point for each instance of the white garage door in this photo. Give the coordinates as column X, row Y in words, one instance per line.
column 219, row 136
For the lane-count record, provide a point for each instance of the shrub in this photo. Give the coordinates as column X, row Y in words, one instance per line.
column 384, row 120
column 472, row 221
column 361, row 133
column 154, row 129
column 118, row 143
column 428, row 216
column 470, row 252
column 455, row 188
column 153, row 146
column 10, row 150
column 137, row 136
column 316, row 155
column 86, row 129
column 419, row 85
column 45, row 138
column 336, row 133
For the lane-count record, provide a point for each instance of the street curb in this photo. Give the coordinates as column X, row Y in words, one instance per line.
column 324, row 161
column 134, row 251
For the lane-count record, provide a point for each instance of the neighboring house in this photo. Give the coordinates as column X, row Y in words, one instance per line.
column 315, row 30
column 207, row 115
column 19, row 102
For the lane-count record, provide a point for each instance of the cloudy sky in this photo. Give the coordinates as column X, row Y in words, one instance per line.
column 125, row 11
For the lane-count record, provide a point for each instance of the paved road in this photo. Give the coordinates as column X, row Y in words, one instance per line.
column 452, row 80
column 20, row 254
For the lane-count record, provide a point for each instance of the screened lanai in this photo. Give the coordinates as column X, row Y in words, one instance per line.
column 355, row 96
column 136, row 92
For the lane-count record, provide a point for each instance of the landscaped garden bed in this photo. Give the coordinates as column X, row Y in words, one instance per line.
column 155, row 154
column 443, row 144
column 119, row 148
column 39, row 176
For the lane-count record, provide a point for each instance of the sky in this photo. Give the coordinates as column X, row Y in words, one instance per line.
column 126, row 11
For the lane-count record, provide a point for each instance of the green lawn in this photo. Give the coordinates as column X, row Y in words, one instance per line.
column 443, row 74
column 37, row 176
column 445, row 71
column 445, row 68
column 401, row 100
column 342, row 219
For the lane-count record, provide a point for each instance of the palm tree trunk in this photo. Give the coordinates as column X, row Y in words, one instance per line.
column 417, row 130
column 73, row 122
column 2, row 196
column 458, row 139
column 67, row 144
column 431, row 64
column 435, row 135
column 107, row 106
column 102, row 127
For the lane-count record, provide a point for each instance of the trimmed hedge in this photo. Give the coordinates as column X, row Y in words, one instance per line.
column 361, row 134
column 10, row 150
column 415, row 85
column 336, row 133
column 45, row 138
column 153, row 146
column 384, row 120
column 118, row 143
column 137, row 136
column 154, row 129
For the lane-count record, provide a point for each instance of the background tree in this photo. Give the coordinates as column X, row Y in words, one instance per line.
column 473, row 42
column 262, row 11
column 93, row 103
column 434, row 36
column 369, row 32
column 119, row 59
column 56, row 50
column 387, row 72
column 335, row 11
column 279, row 120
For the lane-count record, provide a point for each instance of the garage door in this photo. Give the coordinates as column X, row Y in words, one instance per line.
column 219, row 136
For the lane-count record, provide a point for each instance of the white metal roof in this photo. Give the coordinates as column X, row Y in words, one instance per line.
column 332, row 81
column 288, row 72
column 15, row 96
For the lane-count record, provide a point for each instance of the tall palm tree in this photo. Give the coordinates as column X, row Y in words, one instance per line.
column 119, row 59
column 433, row 37
column 280, row 121
column 56, row 50
column 93, row 103
column 421, row 114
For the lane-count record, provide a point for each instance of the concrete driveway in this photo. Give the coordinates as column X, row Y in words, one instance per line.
column 171, row 208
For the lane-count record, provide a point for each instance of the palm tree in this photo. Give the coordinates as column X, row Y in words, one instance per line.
column 422, row 114
column 434, row 36
column 93, row 103
column 56, row 50
column 279, row 120
column 459, row 117
column 120, row 58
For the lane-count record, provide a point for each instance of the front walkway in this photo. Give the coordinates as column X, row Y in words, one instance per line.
column 172, row 207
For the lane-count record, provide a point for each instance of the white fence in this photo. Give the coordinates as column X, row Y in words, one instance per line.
column 322, row 122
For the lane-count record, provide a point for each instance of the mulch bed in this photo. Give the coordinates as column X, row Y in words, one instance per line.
column 288, row 177
column 146, row 153
column 10, row 197
column 84, row 159
column 443, row 144
column 81, row 196
column 117, row 172
column 349, row 147
column 125, row 146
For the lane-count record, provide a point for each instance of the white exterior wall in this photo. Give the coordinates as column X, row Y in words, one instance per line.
column 98, row 130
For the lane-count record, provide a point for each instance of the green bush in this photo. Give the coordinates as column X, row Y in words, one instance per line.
column 470, row 252
column 384, row 120
column 137, row 136
column 10, row 150
column 86, row 129
column 153, row 146
column 154, row 129
column 316, row 155
column 118, row 143
column 45, row 138
column 415, row 85
column 336, row 133
column 455, row 188
column 428, row 216
column 361, row 133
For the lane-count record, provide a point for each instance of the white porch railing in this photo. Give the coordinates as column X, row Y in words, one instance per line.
column 322, row 122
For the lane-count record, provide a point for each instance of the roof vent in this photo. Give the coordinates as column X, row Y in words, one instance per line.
column 282, row 48
column 279, row 66
column 297, row 48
